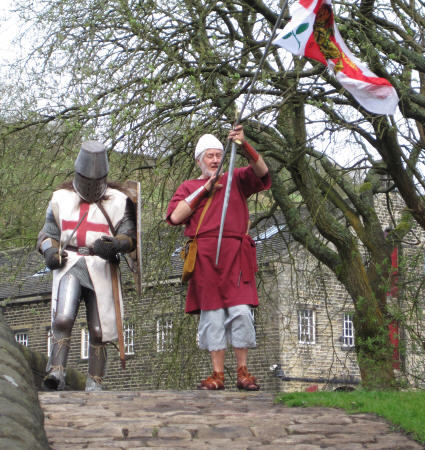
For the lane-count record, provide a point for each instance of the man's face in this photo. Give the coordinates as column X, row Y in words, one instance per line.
column 210, row 161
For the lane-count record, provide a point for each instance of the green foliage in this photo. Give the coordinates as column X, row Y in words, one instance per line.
column 404, row 409
column 31, row 165
column 149, row 77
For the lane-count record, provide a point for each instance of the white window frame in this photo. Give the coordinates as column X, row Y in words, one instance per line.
column 49, row 341
column 306, row 326
column 84, row 351
column 129, row 339
column 348, row 331
column 21, row 337
column 164, row 334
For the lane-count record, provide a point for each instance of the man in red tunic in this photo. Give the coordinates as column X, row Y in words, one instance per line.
column 224, row 294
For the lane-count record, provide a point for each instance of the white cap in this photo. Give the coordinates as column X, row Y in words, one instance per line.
column 205, row 142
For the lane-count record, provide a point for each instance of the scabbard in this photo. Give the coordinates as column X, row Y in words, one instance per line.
column 118, row 318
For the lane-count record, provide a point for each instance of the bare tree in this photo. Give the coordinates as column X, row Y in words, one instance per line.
column 150, row 75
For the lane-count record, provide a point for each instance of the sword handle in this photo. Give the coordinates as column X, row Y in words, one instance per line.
column 236, row 123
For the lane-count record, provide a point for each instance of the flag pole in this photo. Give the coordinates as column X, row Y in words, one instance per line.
column 239, row 117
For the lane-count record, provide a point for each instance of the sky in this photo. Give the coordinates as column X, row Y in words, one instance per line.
column 9, row 29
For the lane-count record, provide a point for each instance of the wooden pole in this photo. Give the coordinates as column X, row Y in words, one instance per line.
column 118, row 319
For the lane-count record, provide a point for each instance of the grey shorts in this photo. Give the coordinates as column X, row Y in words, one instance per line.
column 233, row 326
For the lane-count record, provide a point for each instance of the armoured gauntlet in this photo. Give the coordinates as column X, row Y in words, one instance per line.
column 108, row 246
column 50, row 250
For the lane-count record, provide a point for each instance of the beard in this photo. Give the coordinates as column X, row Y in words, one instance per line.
column 206, row 171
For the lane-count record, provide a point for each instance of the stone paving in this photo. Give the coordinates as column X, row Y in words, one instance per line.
column 206, row 420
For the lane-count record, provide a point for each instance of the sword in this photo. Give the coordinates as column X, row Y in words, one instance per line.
column 226, row 199
column 238, row 120
column 62, row 248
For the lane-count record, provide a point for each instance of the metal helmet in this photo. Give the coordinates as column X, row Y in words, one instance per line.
column 91, row 170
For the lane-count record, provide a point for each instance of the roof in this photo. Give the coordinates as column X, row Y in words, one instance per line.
column 23, row 274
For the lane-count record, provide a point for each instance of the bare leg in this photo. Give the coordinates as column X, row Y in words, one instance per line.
column 216, row 380
column 241, row 356
column 245, row 380
column 217, row 360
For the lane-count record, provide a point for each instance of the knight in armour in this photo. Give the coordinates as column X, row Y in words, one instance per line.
column 89, row 223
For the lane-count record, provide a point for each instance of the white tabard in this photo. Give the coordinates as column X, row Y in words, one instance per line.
column 67, row 209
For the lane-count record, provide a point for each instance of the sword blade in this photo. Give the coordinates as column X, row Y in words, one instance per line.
column 66, row 243
column 226, row 199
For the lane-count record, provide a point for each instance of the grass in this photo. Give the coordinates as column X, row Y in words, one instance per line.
column 404, row 409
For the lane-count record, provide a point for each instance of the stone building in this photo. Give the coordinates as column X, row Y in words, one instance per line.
column 305, row 332
column 160, row 340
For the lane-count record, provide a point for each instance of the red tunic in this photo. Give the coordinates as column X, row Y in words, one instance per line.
column 232, row 282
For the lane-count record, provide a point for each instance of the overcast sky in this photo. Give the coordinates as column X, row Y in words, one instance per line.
column 9, row 29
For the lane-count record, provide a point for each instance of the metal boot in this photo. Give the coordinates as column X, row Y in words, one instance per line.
column 97, row 367
column 55, row 378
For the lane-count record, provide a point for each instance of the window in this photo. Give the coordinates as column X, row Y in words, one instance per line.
column 129, row 339
column 164, row 336
column 306, row 326
column 348, row 331
column 49, row 341
column 22, row 338
column 84, row 343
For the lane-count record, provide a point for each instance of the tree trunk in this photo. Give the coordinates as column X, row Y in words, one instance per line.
column 340, row 249
column 373, row 347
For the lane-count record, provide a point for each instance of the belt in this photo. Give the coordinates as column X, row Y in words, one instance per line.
column 225, row 235
column 81, row 250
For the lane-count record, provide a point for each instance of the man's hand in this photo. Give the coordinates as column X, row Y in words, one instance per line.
column 108, row 246
column 237, row 135
column 209, row 184
column 246, row 149
column 51, row 257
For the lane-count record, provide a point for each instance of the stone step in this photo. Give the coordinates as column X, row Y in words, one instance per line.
column 206, row 420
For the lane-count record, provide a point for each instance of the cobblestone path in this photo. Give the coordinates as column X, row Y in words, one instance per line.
column 206, row 420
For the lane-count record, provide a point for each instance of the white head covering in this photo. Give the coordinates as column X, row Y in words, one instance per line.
column 207, row 141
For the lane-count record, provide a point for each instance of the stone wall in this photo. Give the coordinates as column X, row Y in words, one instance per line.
column 310, row 287
column 289, row 280
column 21, row 418
column 179, row 364
column 304, row 284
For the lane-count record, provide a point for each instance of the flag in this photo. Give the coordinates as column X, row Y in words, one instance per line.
column 312, row 32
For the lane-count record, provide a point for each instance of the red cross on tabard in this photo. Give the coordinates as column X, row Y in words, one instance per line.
column 85, row 226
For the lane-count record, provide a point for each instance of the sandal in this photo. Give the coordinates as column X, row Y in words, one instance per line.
column 246, row 381
column 213, row 383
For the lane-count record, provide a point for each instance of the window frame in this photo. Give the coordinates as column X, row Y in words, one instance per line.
column 49, row 341
column 128, row 333
column 24, row 341
column 84, row 344
column 164, row 334
column 311, row 326
column 347, row 318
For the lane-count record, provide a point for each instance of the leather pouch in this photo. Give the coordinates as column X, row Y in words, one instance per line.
column 188, row 254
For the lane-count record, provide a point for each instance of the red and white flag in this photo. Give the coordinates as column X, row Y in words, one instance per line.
column 312, row 32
